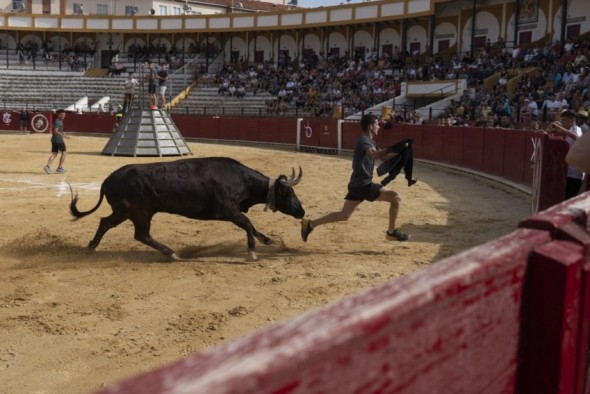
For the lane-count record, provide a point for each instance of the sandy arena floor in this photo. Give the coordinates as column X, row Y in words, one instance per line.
column 73, row 321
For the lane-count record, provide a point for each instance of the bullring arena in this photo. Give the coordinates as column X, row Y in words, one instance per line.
column 490, row 295
column 74, row 321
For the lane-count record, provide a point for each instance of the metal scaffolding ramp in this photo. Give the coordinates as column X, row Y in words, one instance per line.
column 146, row 133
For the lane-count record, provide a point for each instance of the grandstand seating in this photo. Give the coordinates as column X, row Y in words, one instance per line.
column 205, row 100
column 46, row 90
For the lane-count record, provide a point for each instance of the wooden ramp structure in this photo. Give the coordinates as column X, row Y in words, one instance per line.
column 146, row 133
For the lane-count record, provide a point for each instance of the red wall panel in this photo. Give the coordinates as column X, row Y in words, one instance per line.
column 328, row 133
column 197, row 126
column 287, row 131
column 310, row 132
column 473, row 149
column 350, row 132
column 493, row 151
column 515, row 156
column 551, row 305
column 89, row 123
column 489, row 150
column 528, row 152
column 248, row 128
column 452, row 144
column 432, row 143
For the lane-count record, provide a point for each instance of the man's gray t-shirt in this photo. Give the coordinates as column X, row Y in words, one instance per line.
column 363, row 165
column 57, row 138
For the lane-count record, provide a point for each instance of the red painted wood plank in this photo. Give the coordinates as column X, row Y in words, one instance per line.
column 550, row 313
column 473, row 148
column 514, row 156
column 493, row 152
column 584, row 333
column 576, row 210
column 451, row 328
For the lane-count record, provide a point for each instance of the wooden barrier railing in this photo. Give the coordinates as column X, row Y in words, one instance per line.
column 507, row 316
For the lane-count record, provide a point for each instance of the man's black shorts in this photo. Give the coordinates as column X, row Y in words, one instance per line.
column 58, row 147
column 151, row 88
column 368, row 192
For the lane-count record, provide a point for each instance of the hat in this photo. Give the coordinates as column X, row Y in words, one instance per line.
column 582, row 113
column 568, row 113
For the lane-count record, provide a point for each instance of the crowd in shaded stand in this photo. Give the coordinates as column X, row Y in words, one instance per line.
column 315, row 86
column 355, row 83
column 561, row 81
column 75, row 56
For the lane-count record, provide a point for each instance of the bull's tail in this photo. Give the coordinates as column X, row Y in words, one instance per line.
column 74, row 210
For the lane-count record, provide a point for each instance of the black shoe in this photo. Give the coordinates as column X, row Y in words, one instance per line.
column 412, row 181
column 396, row 235
column 306, row 229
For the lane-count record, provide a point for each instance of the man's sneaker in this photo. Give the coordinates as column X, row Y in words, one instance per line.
column 61, row 170
column 396, row 235
column 306, row 229
column 47, row 169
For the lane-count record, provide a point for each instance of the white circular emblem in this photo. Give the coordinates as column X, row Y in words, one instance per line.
column 6, row 118
column 40, row 123
column 308, row 131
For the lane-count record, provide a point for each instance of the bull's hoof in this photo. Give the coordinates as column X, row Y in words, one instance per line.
column 173, row 257
column 269, row 241
column 252, row 255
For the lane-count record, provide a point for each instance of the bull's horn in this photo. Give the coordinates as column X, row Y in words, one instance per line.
column 293, row 181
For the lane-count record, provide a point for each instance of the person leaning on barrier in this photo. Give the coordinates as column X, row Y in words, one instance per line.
column 566, row 127
column 578, row 156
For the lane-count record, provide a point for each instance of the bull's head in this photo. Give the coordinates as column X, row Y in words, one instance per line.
column 285, row 199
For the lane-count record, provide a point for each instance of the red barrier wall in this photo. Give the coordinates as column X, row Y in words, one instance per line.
column 499, row 152
column 507, row 316
column 453, row 327
column 39, row 122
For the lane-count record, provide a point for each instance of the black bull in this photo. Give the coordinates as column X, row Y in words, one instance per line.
column 214, row 188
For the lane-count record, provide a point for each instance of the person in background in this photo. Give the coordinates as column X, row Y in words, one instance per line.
column 57, row 143
column 578, row 155
column 162, row 80
column 567, row 128
column 152, row 77
column 24, row 121
column 130, row 84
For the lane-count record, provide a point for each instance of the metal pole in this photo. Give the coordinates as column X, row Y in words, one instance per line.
column 473, row 26
column 516, row 19
column 564, row 6
column 7, row 36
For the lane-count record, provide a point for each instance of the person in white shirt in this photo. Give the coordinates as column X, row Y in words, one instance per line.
column 567, row 128
column 533, row 109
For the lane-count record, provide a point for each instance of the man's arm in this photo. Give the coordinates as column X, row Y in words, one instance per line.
column 578, row 155
column 560, row 130
column 58, row 132
column 379, row 154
